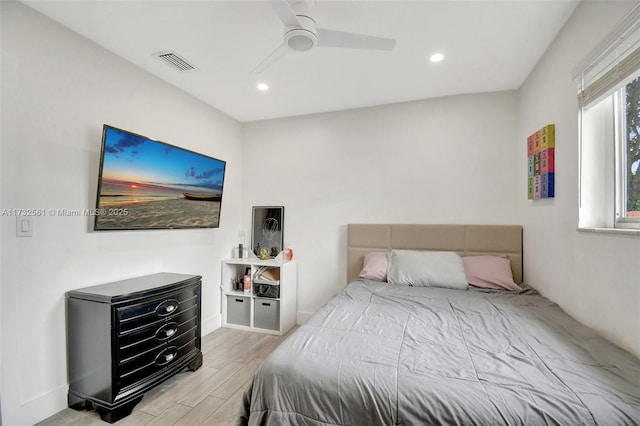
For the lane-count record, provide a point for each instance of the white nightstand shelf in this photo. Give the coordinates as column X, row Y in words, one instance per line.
column 248, row 311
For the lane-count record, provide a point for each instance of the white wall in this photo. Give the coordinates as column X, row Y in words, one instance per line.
column 447, row 160
column 57, row 91
column 594, row 277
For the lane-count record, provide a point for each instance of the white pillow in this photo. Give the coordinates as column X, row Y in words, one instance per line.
column 427, row 269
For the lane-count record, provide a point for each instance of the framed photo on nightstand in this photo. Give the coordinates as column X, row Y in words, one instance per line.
column 267, row 231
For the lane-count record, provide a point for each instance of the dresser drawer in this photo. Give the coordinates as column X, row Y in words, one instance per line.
column 145, row 338
column 157, row 358
column 139, row 315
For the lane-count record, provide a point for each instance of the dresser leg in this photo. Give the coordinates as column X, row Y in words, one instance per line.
column 196, row 363
column 117, row 413
column 77, row 403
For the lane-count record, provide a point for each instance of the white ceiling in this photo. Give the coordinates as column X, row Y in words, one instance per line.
column 488, row 46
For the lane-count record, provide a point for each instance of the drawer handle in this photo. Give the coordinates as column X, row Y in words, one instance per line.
column 166, row 356
column 266, row 304
column 167, row 307
column 240, row 300
column 166, row 330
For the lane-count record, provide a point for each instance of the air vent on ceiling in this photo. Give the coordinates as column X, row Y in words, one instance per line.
column 174, row 60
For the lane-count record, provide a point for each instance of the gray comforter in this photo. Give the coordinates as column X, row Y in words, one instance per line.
column 378, row 354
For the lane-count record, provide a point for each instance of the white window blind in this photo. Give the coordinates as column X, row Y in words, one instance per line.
column 612, row 63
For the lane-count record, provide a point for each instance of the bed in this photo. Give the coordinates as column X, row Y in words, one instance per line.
column 389, row 354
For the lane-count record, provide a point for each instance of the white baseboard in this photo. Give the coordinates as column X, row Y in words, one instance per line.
column 37, row 409
column 211, row 324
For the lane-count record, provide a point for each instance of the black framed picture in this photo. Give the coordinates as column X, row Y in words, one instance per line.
column 267, row 230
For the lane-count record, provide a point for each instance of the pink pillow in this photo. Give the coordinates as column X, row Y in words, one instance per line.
column 375, row 266
column 489, row 272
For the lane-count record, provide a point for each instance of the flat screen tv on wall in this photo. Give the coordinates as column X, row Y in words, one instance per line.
column 148, row 184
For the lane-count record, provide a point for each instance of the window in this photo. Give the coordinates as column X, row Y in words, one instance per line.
column 628, row 148
column 609, row 99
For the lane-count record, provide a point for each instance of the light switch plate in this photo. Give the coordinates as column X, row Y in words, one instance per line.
column 24, row 226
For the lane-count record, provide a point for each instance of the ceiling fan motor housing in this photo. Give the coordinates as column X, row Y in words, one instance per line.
column 301, row 38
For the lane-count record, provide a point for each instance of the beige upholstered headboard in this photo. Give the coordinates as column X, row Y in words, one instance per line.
column 466, row 240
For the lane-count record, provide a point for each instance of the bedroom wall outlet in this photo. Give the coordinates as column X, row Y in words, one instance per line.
column 24, row 226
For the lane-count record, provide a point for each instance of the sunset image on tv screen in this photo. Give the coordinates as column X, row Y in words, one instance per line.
column 150, row 184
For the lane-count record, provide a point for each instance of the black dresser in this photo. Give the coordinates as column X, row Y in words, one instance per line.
column 125, row 337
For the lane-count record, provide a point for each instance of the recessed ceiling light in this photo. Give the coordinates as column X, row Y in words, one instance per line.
column 436, row 57
column 263, row 87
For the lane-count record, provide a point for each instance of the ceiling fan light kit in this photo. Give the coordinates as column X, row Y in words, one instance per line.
column 301, row 38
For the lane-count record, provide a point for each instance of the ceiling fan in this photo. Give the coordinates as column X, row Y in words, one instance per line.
column 301, row 34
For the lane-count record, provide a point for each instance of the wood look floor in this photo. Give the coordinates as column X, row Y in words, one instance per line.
column 209, row 396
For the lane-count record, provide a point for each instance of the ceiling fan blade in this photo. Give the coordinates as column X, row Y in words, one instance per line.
column 278, row 53
column 333, row 38
column 285, row 13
